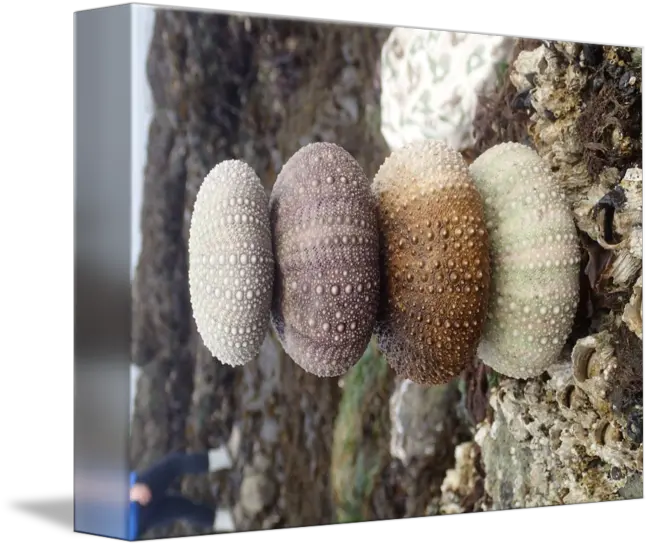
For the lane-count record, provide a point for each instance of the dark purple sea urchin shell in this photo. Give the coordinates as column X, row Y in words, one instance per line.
column 231, row 264
column 326, row 245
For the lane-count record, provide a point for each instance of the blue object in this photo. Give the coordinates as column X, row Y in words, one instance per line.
column 133, row 519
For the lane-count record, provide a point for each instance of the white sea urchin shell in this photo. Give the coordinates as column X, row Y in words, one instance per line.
column 534, row 261
column 231, row 264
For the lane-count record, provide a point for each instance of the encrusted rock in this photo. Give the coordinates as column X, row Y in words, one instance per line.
column 611, row 215
column 462, row 488
column 555, row 442
column 593, row 363
column 632, row 315
column 555, row 97
column 525, row 67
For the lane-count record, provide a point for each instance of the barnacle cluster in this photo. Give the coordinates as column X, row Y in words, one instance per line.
column 554, row 92
column 558, row 440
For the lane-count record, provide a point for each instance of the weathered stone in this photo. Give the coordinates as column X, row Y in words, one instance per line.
column 256, row 493
column 423, row 420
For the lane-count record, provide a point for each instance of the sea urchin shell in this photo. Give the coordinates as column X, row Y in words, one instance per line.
column 435, row 262
column 231, row 264
column 534, row 258
column 326, row 246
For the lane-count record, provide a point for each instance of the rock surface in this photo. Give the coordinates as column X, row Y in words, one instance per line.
column 427, row 423
column 424, row 422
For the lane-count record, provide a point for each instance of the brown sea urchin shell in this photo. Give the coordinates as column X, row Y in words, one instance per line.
column 534, row 257
column 231, row 264
column 326, row 245
column 435, row 259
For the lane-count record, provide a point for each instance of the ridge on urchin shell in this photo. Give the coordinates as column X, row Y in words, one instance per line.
column 435, row 259
column 535, row 261
column 326, row 246
column 231, row 264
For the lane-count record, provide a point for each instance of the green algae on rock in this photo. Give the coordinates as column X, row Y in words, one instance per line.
column 535, row 261
column 231, row 265
column 326, row 245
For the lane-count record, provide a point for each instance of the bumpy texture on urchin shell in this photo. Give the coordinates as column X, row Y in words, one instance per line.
column 326, row 246
column 435, row 257
column 231, row 264
column 534, row 258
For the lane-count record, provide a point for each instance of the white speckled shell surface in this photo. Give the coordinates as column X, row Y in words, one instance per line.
column 431, row 80
column 231, row 264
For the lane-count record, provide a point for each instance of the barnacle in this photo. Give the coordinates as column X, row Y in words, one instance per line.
column 326, row 242
column 593, row 363
column 231, row 265
column 610, row 213
column 535, row 261
column 606, row 433
column 632, row 314
column 435, row 263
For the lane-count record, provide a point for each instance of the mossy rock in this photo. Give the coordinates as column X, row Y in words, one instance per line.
column 360, row 452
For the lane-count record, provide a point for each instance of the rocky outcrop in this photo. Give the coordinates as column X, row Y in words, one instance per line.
column 574, row 434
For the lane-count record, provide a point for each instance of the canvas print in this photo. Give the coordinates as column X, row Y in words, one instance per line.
column 381, row 273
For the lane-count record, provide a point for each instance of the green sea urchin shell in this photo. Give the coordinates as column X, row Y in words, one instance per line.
column 534, row 258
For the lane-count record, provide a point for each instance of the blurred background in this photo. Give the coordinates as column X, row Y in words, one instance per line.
column 209, row 87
